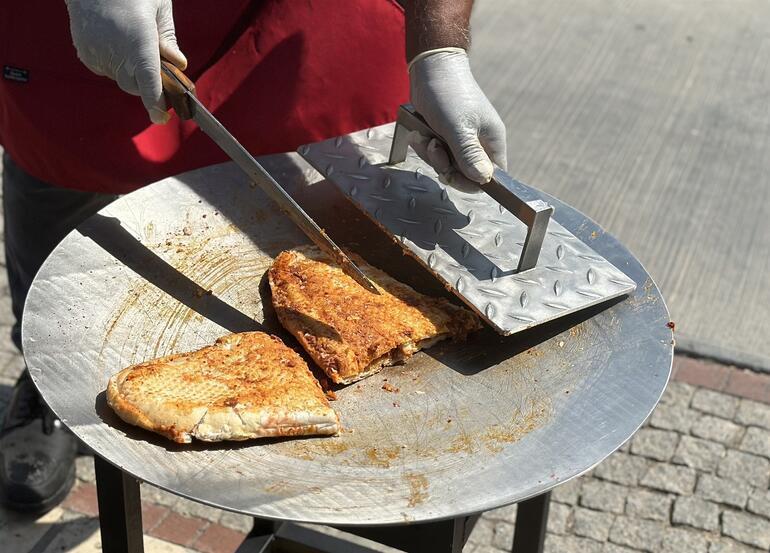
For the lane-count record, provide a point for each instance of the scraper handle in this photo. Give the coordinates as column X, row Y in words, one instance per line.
column 176, row 87
column 534, row 213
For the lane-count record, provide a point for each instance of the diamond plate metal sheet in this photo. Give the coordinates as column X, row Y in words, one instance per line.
column 468, row 240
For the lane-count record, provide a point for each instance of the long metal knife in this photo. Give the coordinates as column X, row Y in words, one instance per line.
column 180, row 93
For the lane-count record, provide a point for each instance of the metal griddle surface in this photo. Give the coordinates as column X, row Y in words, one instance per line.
column 473, row 426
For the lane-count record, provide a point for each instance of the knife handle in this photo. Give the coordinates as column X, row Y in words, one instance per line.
column 534, row 213
column 176, row 85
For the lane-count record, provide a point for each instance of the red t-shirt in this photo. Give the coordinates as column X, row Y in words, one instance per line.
column 277, row 74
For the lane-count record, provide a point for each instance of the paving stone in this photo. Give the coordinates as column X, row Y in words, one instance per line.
column 722, row 490
column 669, row 478
column 645, row 535
column 757, row 441
column 20, row 532
column 234, row 521
column 700, row 373
column 507, row 513
column 696, row 512
column 156, row 495
column 680, row 540
column 745, row 467
column 715, row 403
column 567, row 492
column 759, row 503
column 753, row 413
column 677, row 393
column 749, row 384
column 83, row 536
column 483, row 531
column 749, row 529
column 622, row 468
column 698, row 453
column 650, row 505
column 188, row 508
column 717, row 430
column 603, row 496
column 614, row 548
column 479, row 548
column 152, row 515
column 217, row 538
column 592, row 524
column 655, row 444
column 728, row 545
column 674, row 417
column 560, row 518
column 80, row 535
column 82, row 499
column 84, row 468
column 180, row 530
column 571, row 544
column 503, row 536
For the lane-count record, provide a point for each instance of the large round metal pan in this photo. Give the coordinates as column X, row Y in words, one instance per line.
column 472, row 426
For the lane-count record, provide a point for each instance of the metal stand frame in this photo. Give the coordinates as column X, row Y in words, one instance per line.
column 120, row 519
column 120, row 509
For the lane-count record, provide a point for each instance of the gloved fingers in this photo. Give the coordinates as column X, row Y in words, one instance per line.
column 460, row 182
column 470, row 157
column 492, row 138
column 169, row 49
column 419, row 143
column 126, row 80
column 151, row 90
column 434, row 154
column 430, row 151
column 147, row 75
column 441, row 161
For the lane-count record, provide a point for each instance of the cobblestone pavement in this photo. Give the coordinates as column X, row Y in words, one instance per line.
column 694, row 479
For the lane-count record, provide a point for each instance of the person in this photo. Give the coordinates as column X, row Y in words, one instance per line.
column 277, row 73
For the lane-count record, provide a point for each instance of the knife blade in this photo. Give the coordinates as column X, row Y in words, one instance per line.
column 180, row 92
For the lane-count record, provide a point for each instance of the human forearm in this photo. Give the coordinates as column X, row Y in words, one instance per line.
column 432, row 24
column 445, row 93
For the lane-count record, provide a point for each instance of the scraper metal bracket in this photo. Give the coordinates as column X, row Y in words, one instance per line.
column 535, row 213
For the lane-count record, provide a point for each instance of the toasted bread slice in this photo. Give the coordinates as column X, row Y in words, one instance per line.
column 246, row 385
column 350, row 332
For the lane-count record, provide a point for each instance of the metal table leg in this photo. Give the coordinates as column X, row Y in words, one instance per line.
column 531, row 521
column 120, row 509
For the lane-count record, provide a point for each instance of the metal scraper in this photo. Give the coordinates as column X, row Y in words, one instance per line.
column 499, row 251
column 180, row 92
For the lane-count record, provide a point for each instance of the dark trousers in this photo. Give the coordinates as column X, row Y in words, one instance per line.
column 37, row 216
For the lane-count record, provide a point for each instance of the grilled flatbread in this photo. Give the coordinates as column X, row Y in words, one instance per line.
column 350, row 332
column 246, row 385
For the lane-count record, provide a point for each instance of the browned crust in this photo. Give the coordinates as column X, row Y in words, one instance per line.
column 246, row 385
column 349, row 331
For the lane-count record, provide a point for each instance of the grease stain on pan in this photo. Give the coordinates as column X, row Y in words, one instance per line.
column 577, row 330
column 462, row 444
column 496, row 436
column 310, row 448
column 151, row 323
column 382, row 456
column 520, row 424
column 418, row 488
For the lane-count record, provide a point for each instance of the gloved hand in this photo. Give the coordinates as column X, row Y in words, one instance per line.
column 123, row 40
column 445, row 93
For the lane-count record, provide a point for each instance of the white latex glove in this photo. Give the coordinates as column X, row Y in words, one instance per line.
column 445, row 93
column 123, row 40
